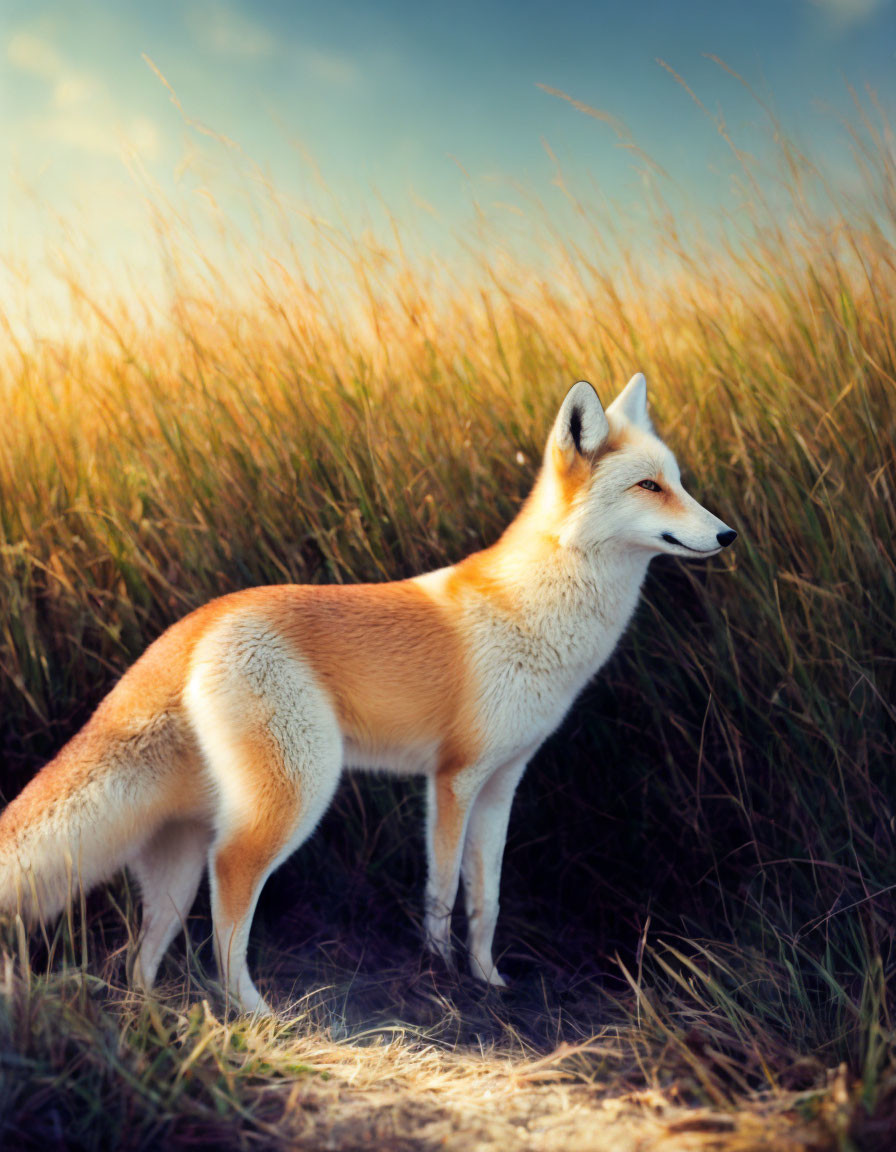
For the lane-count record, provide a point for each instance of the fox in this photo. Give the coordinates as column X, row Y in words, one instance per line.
column 220, row 749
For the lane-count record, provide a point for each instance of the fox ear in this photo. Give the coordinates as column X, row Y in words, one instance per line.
column 632, row 402
column 581, row 424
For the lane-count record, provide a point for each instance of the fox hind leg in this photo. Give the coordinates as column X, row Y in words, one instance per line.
column 246, row 852
column 168, row 869
column 273, row 748
column 239, row 863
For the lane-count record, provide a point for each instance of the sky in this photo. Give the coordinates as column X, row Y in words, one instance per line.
column 423, row 106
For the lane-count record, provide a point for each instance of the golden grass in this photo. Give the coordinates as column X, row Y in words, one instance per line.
column 709, row 845
column 182, row 1076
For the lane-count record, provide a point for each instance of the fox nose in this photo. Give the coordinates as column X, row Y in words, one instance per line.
column 727, row 537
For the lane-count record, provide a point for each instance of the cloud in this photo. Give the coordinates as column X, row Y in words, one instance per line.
column 329, row 67
column 849, row 13
column 78, row 114
column 225, row 31
column 34, row 56
column 75, row 88
column 96, row 135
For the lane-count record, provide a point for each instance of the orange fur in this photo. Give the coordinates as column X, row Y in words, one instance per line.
column 574, row 470
column 477, row 575
column 245, row 857
column 387, row 655
column 450, row 814
column 139, row 722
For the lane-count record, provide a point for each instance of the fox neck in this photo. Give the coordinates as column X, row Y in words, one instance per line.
column 578, row 601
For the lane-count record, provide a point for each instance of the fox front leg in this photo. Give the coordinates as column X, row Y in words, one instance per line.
column 481, row 867
column 450, row 798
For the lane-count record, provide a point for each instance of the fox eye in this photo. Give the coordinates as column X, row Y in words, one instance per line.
column 650, row 485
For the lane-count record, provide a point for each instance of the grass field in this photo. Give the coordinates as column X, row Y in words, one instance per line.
column 698, row 907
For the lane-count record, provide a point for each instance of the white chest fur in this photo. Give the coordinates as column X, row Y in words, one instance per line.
column 531, row 663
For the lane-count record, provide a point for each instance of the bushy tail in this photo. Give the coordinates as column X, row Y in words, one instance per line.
column 74, row 825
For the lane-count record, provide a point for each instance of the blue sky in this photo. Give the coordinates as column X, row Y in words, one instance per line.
column 416, row 101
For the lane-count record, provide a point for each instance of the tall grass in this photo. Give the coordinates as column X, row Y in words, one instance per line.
column 705, row 854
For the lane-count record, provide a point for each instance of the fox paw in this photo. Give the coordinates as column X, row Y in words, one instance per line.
column 487, row 974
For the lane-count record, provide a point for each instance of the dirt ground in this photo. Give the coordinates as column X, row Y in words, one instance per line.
column 539, row 1109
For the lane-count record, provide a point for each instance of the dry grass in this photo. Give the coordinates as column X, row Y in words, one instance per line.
column 87, row 1066
column 698, row 892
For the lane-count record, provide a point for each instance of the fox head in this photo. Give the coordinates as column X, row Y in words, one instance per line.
column 613, row 481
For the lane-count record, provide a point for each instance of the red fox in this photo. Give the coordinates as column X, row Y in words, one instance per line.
column 224, row 743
